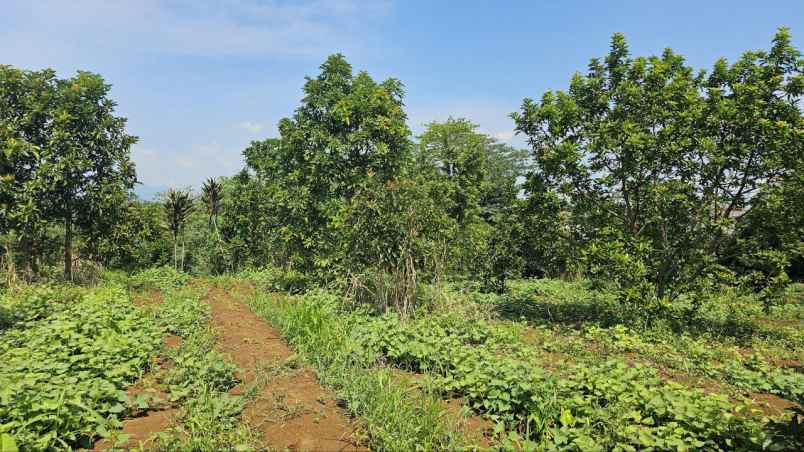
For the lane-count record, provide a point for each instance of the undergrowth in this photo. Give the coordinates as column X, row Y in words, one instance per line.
column 392, row 417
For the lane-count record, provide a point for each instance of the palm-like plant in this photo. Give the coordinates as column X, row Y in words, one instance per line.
column 178, row 206
column 212, row 197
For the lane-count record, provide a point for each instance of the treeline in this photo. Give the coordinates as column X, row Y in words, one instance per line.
column 645, row 176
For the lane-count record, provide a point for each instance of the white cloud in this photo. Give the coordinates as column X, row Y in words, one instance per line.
column 186, row 167
column 504, row 135
column 251, row 126
column 123, row 29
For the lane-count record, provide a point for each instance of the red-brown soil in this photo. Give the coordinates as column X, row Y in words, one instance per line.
column 771, row 405
column 292, row 410
column 147, row 297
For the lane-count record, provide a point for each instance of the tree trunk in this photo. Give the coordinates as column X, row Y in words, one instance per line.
column 175, row 252
column 182, row 251
column 68, row 246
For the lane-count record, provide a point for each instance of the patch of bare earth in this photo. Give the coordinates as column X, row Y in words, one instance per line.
column 292, row 410
column 147, row 297
column 771, row 405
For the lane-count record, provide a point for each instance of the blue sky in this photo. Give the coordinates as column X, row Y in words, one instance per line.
column 199, row 80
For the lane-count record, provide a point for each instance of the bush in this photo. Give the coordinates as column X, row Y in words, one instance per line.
column 162, row 278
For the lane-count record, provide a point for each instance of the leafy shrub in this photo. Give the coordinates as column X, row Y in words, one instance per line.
column 181, row 313
column 274, row 279
column 163, row 278
column 29, row 303
column 609, row 405
column 199, row 368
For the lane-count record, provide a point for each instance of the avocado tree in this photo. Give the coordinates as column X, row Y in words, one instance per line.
column 658, row 165
column 66, row 154
column 348, row 128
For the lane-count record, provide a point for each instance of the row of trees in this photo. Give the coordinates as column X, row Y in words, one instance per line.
column 345, row 190
column 645, row 175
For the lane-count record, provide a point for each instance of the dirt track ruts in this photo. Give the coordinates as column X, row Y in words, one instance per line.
column 292, row 410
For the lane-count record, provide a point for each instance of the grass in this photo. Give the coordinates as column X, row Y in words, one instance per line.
column 392, row 417
column 550, row 365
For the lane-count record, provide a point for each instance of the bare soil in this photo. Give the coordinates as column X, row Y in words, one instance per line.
column 292, row 410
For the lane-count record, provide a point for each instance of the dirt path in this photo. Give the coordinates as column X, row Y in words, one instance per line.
column 292, row 410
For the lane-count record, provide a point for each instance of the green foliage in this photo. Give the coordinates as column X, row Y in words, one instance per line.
column 474, row 180
column 181, row 312
column 602, row 406
column 211, row 198
column 457, row 155
column 65, row 367
column 199, row 368
column 208, row 421
column 394, row 418
column 347, row 129
column 199, row 379
column 159, row 278
column 638, row 150
column 138, row 239
column 177, row 206
column 274, row 279
column 66, row 157
column 31, row 303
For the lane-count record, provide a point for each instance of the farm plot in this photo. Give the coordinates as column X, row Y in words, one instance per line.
column 601, row 391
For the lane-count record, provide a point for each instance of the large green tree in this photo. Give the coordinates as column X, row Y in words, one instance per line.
column 66, row 154
column 476, row 180
column 658, row 164
column 348, row 128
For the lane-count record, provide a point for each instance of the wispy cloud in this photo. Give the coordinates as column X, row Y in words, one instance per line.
column 251, row 126
column 183, row 27
column 504, row 135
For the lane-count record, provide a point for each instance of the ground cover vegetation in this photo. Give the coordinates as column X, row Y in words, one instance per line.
column 632, row 280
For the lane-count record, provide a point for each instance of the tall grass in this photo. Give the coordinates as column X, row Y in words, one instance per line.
column 393, row 417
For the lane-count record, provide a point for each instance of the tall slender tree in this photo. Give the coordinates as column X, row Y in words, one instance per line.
column 178, row 206
column 212, row 198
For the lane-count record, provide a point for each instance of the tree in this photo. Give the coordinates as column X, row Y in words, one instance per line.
column 178, row 205
column 475, row 179
column 456, row 152
column 348, row 128
column 212, row 197
column 66, row 155
column 395, row 234
column 137, row 240
column 659, row 165
column 505, row 170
